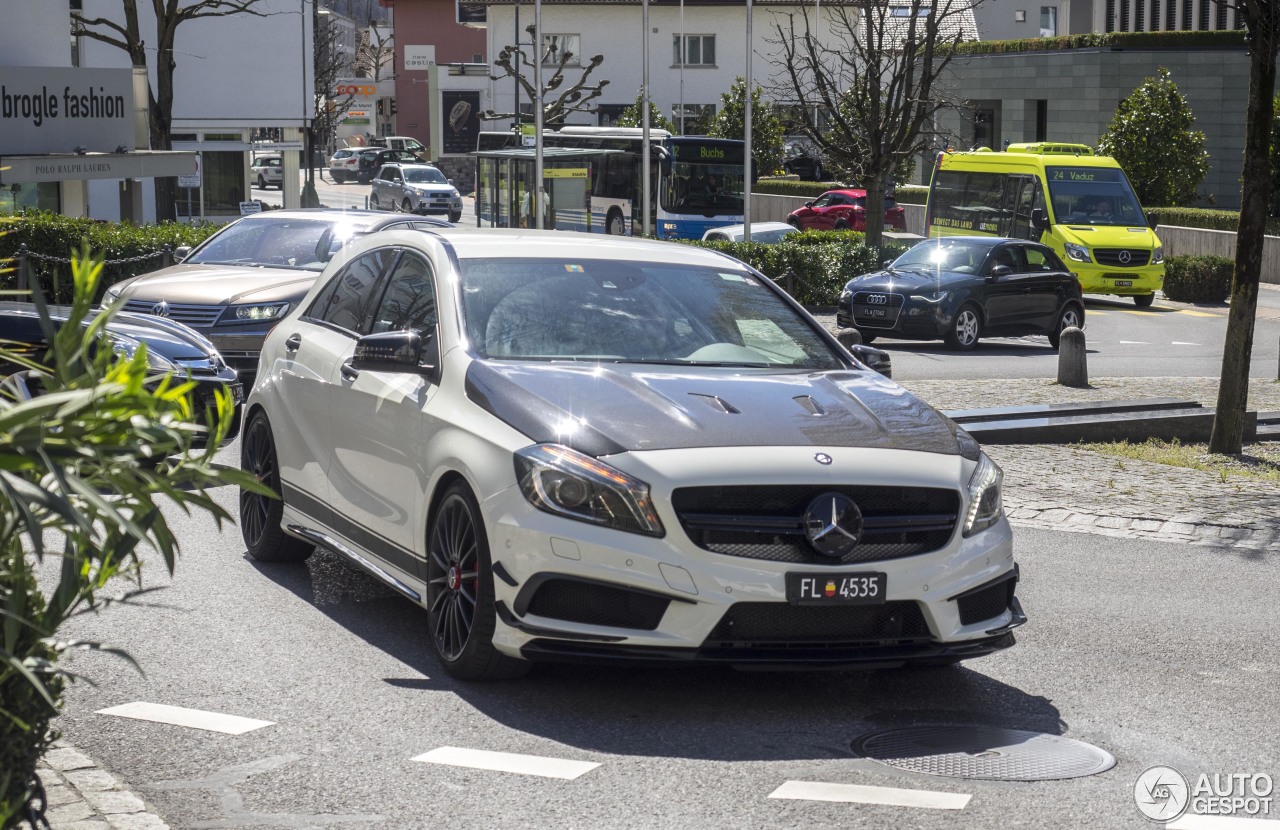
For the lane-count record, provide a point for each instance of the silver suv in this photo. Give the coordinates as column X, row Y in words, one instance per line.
column 415, row 188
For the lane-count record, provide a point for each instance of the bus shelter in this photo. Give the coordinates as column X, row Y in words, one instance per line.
column 504, row 188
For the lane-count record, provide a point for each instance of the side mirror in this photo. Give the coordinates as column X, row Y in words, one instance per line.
column 1039, row 220
column 326, row 245
column 1001, row 271
column 808, row 204
column 887, row 263
column 452, row 182
column 396, row 351
column 181, row 252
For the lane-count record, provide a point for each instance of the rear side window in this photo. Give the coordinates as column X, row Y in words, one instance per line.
column 409, row 303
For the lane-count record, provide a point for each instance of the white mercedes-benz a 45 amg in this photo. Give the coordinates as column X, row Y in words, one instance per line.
column 570, row 447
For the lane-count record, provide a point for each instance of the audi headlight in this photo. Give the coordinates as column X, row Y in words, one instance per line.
column 935, row 297
column 261, row 311
column 1158, row 254
column 985, row 502
column 1078, row 252
column 567, row 483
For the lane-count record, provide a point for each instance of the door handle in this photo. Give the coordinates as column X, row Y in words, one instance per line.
column 293, row 342
column 349, row 372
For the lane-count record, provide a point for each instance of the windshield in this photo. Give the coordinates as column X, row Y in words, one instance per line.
column 629, row 312
column 944, row 254
column 278, row 243
column 1092, row 196
column 703, row 189
column 428, row 175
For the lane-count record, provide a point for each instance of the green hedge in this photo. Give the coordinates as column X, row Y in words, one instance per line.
column 1229, row 39
column 1197, row 279
column 129, row 249
column 1218, row 220
column 821, row 261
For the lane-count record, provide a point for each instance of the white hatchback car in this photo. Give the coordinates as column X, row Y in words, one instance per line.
column 571, row 447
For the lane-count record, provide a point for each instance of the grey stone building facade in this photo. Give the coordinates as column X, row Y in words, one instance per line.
column 1071, row 96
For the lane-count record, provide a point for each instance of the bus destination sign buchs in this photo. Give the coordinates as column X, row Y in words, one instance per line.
column 693, row 152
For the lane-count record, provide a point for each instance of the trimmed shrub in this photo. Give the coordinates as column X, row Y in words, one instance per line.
column 1197, row 279
column 128, row 249
column 1218, row 220
column 1229, row 39
column 813, row 266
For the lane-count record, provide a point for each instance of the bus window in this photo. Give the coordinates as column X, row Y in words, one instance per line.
column 1093, row 196
column 967, row 202
column 1019, row 196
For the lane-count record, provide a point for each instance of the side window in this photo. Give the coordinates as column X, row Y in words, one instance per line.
column 1037, row 260
column 409, row 303
column 345, row 301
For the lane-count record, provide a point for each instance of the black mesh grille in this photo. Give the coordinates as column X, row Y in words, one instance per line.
column 583, row 602
column 986, row 604
column 776, row 624
column 757, row 522
column 1114, row 257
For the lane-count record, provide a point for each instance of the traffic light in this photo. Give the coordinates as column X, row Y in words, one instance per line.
column 393, row 105
column 382, row 109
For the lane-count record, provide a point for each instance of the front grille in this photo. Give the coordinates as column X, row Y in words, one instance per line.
column 1113, row 257
column 196, row 316
column 592, row 604
column 777, row 624
column 868, row 314
column 763, row 522
column 988, row 603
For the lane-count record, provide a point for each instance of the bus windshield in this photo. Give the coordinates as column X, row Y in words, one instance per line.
column 1092, row 196
column 704, row 189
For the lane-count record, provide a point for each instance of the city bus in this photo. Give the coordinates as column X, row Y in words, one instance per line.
column 1061, row 195
column 697, row 181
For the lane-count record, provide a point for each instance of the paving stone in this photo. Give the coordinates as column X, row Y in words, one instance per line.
column 66, row 758
column 58, row 793
column 1178, row 528
column 87, row 824
column 65, row 813
column 92, row 780
column 137, row 821
column 110, row 802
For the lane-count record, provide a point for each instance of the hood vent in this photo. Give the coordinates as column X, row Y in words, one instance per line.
column 809, row 405
column 717, row 403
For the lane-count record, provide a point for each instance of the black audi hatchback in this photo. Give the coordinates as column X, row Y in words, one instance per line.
column 962, row 288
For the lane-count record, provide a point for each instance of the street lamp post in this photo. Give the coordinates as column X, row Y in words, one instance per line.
column 746, row 140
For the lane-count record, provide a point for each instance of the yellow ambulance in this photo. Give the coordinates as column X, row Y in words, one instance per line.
column 1061, row 195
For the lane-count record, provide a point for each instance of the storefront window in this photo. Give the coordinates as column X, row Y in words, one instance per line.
column 223, row 182
column 18, row 197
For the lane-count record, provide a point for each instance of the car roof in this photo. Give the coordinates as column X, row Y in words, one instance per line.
column 411, row 165
column 755, row 226
column 475, row 243
column 369, row 220
column 850, row 191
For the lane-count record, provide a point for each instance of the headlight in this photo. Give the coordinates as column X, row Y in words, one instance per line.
column 1158, row 254
column 985, row 503
column 935, row 297
column 128, row 347
column 567, row 483
column 264, row 311
column 1078, row 252
column 111, row 297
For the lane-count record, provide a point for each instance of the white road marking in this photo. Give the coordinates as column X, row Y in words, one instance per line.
column 859, row 794
column 192, row 718
column 1134, row 343
column 1181, row 343
column 1194, row 822
column 507, row 762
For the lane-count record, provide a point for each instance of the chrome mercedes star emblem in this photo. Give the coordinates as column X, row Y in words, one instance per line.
column 822, row 458
column 160, row 309
column 833, row 524
column 1125, row 257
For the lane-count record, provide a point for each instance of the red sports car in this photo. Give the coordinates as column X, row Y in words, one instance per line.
column 843, row 210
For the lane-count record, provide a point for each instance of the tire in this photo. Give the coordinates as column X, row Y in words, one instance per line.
column 338, row 178
column 455, row 217
column 1144, row 300
column 260, row 516
column 1070, row 316
column 614, row 225
column 841, row 225
column 795, row 223
column 373, row 202
column 262, row 183
column 460, row 611
column 407, row 205
column 966, row 328
column 818, row 173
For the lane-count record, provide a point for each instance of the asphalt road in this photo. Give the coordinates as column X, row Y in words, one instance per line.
column 1159, row 654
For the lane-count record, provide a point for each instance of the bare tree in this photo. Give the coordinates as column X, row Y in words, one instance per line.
column 875, row 81
column 128, row 36
column 1262, row 26
column 331, row 64
column 375, row 53
column 515, row 63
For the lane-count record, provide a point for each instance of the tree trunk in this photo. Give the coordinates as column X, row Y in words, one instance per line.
column 162, row 118
column 1233, row 392
column 875, row 208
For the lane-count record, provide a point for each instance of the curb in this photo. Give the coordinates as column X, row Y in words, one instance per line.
column 82, row 796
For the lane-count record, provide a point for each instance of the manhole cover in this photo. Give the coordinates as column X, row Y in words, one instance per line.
column 984, row 752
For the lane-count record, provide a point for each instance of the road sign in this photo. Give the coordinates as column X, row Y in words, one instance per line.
column 195, row 179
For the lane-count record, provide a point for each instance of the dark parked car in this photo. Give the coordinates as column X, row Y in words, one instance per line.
column 372, row 160
column 961, row 288
column 844, row 210
column 802, row 159
column 171, row 347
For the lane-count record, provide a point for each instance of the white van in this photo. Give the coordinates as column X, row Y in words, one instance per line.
column 400, row 142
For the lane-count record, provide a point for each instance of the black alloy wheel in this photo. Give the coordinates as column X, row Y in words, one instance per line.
column 460, row 609
column 1070, row 316
column 260, row 515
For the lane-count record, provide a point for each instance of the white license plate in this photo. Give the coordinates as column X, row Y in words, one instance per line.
column 871, row 312
column 1123, row 283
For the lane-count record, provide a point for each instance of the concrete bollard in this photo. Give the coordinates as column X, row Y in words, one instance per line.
column 1072, row 368
column 849, row 338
